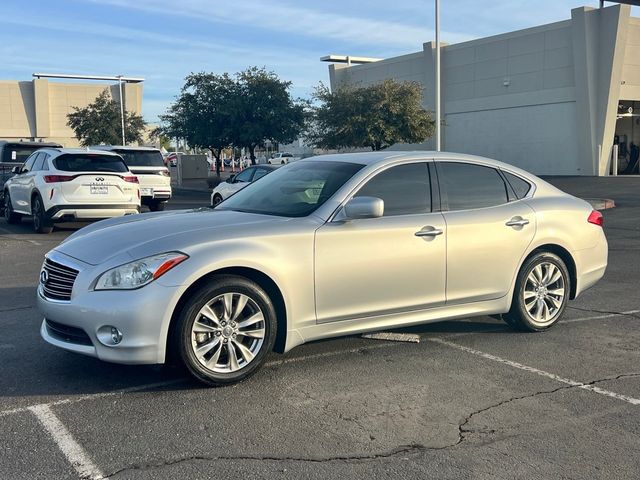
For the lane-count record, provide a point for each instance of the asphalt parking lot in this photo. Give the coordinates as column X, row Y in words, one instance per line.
column 473, row 399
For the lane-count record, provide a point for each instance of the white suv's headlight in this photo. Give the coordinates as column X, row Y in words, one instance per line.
column 138, row 273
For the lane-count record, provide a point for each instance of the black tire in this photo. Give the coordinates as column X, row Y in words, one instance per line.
column 41, row 222
column 9, row 215
column 156, row 206
column 217, row 200
column 183, row 337
column 520, row 316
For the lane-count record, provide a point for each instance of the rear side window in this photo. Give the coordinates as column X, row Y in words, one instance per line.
column 520, row 187
column 466, row 186
column 141, row 158
column 260, row 172
column 90, row 163
column 405, row 189
column 39, row 161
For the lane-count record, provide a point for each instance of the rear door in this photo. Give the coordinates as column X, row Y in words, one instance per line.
column 488, row 231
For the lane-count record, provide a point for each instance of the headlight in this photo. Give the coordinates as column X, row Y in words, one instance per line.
column 138, row 273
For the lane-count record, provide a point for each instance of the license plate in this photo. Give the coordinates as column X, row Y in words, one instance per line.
column 98, row 190
column 147, row 192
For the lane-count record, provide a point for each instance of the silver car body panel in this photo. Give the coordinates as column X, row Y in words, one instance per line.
column 332, row 275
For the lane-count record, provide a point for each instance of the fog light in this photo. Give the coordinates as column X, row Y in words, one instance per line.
column 116, row 335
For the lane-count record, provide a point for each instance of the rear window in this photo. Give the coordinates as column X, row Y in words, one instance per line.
column 90, row 163
column 141, row 158
column 17, row 153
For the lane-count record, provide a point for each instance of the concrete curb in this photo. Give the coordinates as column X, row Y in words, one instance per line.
column 601, row 203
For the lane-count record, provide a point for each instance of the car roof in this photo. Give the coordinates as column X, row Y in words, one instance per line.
column 373, row 158
column 77, row 151
column 30, row 144
column 123, row 147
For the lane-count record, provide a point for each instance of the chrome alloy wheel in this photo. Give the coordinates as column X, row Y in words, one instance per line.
column 544, row 293
column 228, row 333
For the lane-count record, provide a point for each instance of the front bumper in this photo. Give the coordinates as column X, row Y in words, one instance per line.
column 141, row 315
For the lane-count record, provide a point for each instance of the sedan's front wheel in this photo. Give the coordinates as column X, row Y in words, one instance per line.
column 541, row 293
column 226, row 329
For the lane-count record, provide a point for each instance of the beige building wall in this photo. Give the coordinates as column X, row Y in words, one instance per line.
column 543, row 98
column 37, row 110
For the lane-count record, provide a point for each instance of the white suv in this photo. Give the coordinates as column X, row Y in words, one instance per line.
column 148, row 165
column 64, row 184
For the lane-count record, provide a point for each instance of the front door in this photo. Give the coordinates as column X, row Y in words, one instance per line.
column 379, row 266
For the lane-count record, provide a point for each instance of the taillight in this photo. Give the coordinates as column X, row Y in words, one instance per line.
column 131, row 179
column 58, row 178
column 596, row 218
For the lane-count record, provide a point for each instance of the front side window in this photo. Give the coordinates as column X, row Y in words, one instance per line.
column 405, row 189
column 28, row 165
column 296, row 190
column 466, row 186
column 244, row 176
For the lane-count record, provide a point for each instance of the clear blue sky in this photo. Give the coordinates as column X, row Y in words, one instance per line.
column 164, row 40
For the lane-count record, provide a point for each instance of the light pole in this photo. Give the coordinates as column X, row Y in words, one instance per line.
column 437, row 69
column 119, row 77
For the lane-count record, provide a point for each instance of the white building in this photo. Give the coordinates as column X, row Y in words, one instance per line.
column 551, row 99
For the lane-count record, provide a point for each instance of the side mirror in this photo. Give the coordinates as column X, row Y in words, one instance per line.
column 231, row 179
column 16, row 170
column 363, row 207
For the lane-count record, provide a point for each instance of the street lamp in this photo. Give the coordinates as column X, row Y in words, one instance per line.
column 119, row 78
column 437, row 69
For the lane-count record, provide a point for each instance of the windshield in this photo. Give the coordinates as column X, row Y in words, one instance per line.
column 296, row 190
column 90, row 163
column 141, row 158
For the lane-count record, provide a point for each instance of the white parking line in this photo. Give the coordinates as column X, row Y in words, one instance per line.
column 542, row 373
column 600, row 317
column 79, row 459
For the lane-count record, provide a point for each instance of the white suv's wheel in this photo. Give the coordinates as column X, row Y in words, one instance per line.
column 41, row 222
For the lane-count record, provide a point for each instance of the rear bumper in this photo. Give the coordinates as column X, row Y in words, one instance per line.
column 158, row 193
column 591, row 263
column 61, row 213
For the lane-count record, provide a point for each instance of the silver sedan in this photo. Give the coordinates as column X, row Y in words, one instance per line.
column 326, row 246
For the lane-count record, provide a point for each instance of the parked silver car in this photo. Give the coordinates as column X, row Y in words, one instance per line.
column 323, row 247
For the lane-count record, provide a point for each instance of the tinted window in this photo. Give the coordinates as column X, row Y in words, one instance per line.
column 90, row 163
column 468, row 186
column 260, row 172
column 141, row 158
column 28, row 165
column 45, row 163
column 520, row 187
column 296, row 190
column 37, row 165
column 245, row 176
column 17, row 153
column 405, row 189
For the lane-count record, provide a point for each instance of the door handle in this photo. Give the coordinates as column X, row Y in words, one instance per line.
column 515, row 222
column 428, row 233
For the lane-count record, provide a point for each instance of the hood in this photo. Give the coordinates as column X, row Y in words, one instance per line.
column 154, row 233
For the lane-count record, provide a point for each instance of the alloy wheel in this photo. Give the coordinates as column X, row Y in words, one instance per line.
column 228, row 333
column 544, row 293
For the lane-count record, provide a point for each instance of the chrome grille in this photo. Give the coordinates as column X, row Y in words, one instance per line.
column 57, row 280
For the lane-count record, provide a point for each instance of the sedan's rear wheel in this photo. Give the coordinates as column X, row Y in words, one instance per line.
column 541, row 293
column 226, row 330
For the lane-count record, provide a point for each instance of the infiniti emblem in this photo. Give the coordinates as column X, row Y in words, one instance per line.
column 99, row 179
column 44, row 276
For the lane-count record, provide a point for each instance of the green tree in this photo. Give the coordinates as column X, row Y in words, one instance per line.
column 202, row 113
column 264, row 110
column 375, row 116
column 100, row 122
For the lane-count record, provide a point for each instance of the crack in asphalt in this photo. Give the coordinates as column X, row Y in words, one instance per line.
column 612, row 312
column 13, row 309
column 463, row 431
